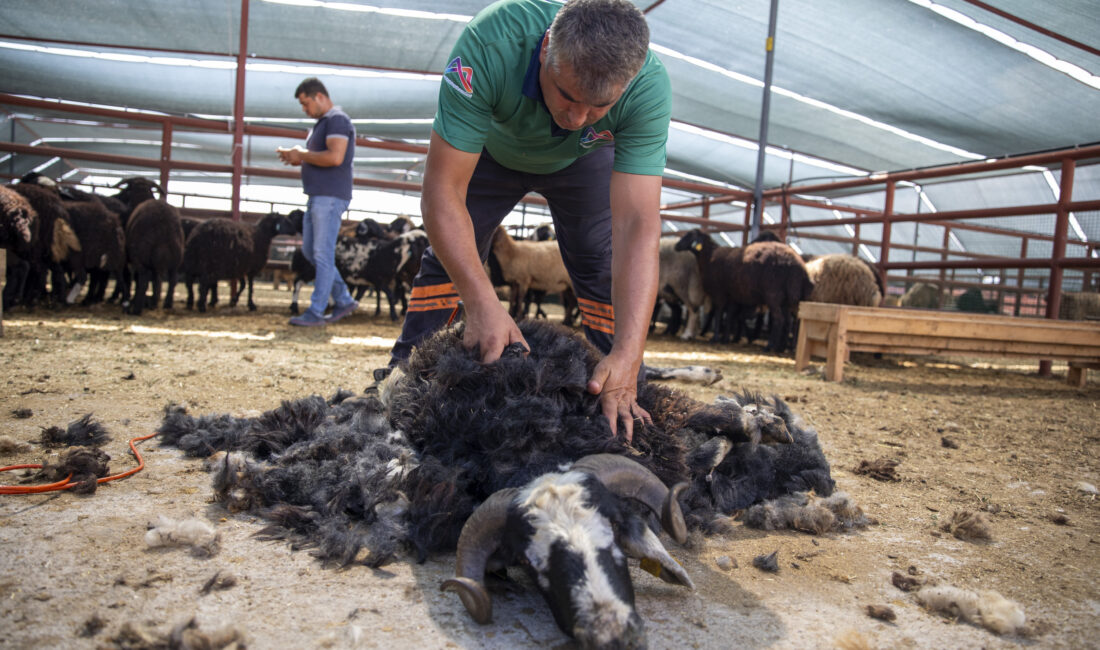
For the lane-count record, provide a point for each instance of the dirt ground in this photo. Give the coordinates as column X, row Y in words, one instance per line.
column 75, row 571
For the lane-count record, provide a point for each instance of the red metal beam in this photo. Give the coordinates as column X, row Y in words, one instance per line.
column 1092, row 151
column 1001, row 263
column 1030, row 25
column 219, row 126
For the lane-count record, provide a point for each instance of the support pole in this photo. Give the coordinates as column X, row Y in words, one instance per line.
column 238, row 113
column 1061, row 233
column 765, row 108
column 884, row 250
column 165, row 153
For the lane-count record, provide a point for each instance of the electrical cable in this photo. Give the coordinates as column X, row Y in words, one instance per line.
column 66, row 483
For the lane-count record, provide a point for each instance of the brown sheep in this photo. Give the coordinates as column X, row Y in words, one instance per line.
column 923, row 295
column 529, row 265
column 844, row 280
column 1080, row 306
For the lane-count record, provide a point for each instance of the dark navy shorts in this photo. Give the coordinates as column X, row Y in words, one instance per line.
column 579, row 197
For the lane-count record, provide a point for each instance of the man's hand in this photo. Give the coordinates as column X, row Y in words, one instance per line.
column 290, row 156
column 491, row 329
column 616, row 382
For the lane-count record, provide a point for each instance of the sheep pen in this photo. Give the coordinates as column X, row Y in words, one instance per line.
column 940, row 436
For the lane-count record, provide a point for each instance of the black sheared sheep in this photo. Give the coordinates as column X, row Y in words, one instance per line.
column 472, row 429
column 221, row 249
column 154, row 248
column 89, row 208
column 103, row 242
column 763, row 273
column 406, row 469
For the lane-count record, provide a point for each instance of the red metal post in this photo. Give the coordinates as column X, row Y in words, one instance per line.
column 238, row 113
column 1061, row 233
column 748, row 221
column 943, row 253
column 887, row 212
column 1020, row 276
column 165, row 153
column 784, row 218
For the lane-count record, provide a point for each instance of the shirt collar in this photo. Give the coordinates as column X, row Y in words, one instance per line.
column 533, row 90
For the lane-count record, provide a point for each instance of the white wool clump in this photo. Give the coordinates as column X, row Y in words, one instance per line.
column 196, row 533
column 986, row 608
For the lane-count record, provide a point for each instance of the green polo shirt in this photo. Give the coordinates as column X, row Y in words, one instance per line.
column 490, row 98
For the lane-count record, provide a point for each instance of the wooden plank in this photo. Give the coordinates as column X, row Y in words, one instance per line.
column 833, row 331
column 938, row 344
column 911, row 351
column 1023, row 329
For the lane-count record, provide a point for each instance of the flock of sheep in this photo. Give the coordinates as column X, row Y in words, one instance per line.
column 61, row 240
column 133, row 237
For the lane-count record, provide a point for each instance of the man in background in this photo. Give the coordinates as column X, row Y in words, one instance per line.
column 326, row 180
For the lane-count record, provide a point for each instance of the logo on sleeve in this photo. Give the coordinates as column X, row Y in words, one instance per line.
column 459, row 76
column 590, row 138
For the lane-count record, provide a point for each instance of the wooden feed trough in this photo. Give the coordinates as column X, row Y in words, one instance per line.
column 833, row 331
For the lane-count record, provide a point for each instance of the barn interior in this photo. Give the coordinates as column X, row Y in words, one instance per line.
column 951, row 143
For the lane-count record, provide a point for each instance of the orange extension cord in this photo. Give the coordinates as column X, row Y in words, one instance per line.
column 66, row 484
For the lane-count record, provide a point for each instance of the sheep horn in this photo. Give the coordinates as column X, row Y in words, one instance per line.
column 627, row 478
column 479, row 538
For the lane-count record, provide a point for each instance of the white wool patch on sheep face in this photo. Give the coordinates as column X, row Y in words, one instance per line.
column 556, row 507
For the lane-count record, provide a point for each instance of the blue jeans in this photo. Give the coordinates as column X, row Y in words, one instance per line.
column 320, row 226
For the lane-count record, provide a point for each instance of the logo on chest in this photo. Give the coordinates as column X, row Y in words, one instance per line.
column 460, row 77
column 591, row 138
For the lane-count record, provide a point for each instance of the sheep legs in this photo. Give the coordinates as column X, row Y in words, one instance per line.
column 170, row 293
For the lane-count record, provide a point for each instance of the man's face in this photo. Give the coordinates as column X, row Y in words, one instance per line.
column 312, row 105
column 569, row 108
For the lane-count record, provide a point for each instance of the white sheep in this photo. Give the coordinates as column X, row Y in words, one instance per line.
column 529, row 265
column 844, row 280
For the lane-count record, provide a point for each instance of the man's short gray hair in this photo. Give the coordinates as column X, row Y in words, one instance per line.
column 604, row 42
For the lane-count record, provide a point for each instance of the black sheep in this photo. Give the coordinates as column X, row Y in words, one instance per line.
column 221, row 249
column 154, row 248
column 103, row 242
column 765, row 273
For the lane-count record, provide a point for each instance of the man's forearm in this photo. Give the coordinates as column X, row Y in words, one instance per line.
column 451, row 232
column 634, row 268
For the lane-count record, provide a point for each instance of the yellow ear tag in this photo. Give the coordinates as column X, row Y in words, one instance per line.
column 649, row 565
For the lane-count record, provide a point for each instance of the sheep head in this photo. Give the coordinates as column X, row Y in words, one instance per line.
column 695, row 241
column 135, row 190
column 572, row 531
